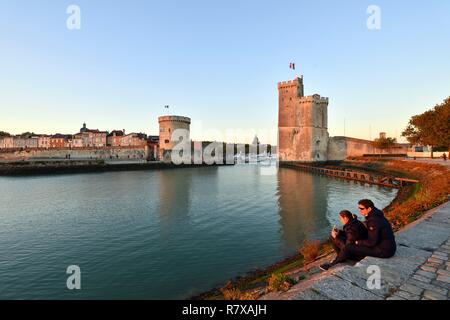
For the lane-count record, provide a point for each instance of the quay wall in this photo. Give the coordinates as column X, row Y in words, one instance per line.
column 39, row 167
column 341, row 148
column 122, row 153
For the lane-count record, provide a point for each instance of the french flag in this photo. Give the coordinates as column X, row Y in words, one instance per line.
column 292, row 66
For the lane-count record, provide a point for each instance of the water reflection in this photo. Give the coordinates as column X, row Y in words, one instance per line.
column 175, row 191
column 302, row 201
column 174, row 195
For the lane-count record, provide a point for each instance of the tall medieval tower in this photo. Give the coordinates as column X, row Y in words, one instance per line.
column 302, row 124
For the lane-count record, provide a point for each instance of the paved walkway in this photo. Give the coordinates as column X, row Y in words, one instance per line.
column 431, row 161
column 419, row 270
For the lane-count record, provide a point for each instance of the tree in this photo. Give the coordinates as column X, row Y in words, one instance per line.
column 431, row 128
column 27, row 135
column 384, row 142
column 4, row 134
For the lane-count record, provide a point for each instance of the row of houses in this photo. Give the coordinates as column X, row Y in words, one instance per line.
column 86, row 138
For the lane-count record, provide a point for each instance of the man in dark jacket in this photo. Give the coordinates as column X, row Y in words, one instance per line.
column 380, row 241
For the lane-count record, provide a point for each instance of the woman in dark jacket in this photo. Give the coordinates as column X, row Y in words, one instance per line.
column 353, row 231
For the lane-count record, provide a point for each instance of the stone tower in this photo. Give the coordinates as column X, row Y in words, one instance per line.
column 302, row 124
column 167, row 126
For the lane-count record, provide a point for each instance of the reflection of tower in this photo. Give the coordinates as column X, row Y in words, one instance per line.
column 303, row 206
column 167, row 126
column 174, row 194
column 302, row 124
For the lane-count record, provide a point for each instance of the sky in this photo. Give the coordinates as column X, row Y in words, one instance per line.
column 219, row 62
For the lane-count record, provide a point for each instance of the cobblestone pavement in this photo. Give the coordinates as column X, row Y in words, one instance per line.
column 419, row 270
column 431, row 281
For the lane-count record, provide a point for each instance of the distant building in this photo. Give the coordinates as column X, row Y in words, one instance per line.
column 114, row 139
column 255, row 140
column 44, row 141
column 74, row 142
column 420, row 148
column 153, row 146
column 58, row 141
column 134, row 140
column 6, row 142
column 92, row 138
column 86, row 138
column 25, row 142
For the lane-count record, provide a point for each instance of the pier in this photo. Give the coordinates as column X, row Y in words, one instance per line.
column 347, row 174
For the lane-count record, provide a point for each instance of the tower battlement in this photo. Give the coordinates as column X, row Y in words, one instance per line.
column 290, row 83
column 317, row 99
column 292, row 88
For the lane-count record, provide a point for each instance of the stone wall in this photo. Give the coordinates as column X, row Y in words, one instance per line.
column 340, row 148
column 79, row 153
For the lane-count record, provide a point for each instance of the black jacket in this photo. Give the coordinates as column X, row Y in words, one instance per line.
column 353, row 230
column 380, row 234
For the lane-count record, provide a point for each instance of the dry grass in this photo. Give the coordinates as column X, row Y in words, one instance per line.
column 230, row 292
column 249, row 296
column 233, row 293
column 433, row 191
column 310, row 250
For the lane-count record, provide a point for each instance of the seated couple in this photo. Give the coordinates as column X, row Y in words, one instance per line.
column 357, row 240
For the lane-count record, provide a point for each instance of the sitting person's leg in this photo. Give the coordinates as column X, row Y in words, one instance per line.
column 338, row 243
column 353, row 251
column 355, row 257
column 342, row 255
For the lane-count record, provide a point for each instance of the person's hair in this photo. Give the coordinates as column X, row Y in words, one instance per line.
column 366, row 203
column 346, row 214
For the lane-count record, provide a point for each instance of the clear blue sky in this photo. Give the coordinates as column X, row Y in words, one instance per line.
column 218, row 62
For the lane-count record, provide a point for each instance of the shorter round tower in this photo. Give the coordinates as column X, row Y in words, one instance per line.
column 167, row 126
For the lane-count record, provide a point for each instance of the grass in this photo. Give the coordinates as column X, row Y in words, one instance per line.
column 279, row 282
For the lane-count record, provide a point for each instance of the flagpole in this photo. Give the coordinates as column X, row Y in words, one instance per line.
column 292, row 66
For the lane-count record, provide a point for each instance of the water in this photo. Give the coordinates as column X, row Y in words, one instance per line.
column 166, row 234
